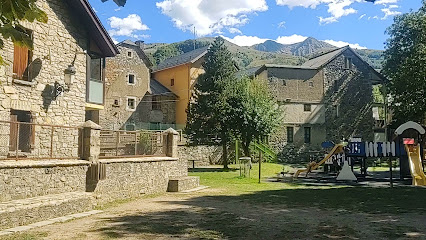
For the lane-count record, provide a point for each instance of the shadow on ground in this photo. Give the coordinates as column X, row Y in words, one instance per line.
column 212, row 169
column 336, row 213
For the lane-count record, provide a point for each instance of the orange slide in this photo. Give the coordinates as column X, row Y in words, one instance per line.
column 338, row 148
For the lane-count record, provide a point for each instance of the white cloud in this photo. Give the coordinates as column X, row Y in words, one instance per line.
column 245, row 40
column 291, row 39
column 117, row 9
column 393, row 6
column 336, row 8
column 384, row 2
column 234, row 31
column 210, row 17
column 127, row 26
column 342, row 44
column 388, row 13
column 281, row 24
column 362, row 16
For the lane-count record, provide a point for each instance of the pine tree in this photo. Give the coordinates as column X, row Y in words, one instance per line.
column 209, row 114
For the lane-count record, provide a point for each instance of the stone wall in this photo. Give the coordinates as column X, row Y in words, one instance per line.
column 25, row 179
column 204, row 155
column 348, row 99
column 57, row 44
column 127, row 178
column 118, row 68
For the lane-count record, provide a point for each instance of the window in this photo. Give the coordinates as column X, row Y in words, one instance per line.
column 311, row 84
column 130, row 127
column 307, row 134
column 172, row 82
column 22, row 134
column 131, row 103
column 284, row 83
column 129, row 54
column 116, row 103
column 95, row 68
column 22, row 57
column 131, row 79
column 156, row 104
column 348, row 63
column 307, row 107
column 290, row 134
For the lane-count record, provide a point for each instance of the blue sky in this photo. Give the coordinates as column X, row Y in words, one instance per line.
column 247, row 22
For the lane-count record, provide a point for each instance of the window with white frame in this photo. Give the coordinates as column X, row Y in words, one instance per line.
column 131, row 103
column 131, row 79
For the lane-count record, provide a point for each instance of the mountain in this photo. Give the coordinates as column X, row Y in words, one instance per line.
column 307, row 47
column 269, row 52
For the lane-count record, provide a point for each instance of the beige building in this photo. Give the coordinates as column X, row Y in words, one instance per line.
column 326, row 99
column 59, row 82
column 133, row 100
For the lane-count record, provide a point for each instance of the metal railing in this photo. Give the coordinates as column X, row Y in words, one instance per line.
column 30, row 141
column 130, row 144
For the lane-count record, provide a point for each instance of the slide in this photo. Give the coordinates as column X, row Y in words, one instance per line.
column 338, row 148
column 414, row 157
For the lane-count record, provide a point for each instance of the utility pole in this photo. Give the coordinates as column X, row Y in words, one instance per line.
column 195, row 37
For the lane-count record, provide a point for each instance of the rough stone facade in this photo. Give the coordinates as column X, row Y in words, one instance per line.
column 333, row 101
column 130, row 61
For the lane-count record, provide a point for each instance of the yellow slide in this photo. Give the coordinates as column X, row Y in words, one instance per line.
column 338, row 148
column 416, row 167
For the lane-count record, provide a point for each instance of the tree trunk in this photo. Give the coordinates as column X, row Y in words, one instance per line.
column 225, row 155
column 246, row 147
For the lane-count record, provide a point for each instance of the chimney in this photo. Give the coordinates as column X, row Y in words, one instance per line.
column 140, row 44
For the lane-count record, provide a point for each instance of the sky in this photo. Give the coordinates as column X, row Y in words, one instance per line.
column 357, row 23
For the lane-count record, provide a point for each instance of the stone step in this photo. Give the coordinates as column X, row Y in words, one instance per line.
column 180, row 184
column 31, row 210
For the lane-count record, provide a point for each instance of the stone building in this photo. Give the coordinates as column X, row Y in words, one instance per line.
column 59, row 82
column 133, row 100
column 328, row 98
column 179, row 74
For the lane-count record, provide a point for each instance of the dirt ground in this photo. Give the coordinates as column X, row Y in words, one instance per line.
column 209, row 214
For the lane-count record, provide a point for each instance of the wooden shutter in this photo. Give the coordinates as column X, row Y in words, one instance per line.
column 20, row 60
column 13, row 133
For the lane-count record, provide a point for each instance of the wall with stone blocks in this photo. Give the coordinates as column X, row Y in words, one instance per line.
column 127, row 178
column 25, row 179
column 204, row 155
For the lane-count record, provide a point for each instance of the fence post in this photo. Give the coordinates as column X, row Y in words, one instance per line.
column 91, row 141
column 170, row 142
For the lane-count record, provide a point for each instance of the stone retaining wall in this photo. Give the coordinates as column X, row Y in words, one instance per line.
column 204, row 155
column 26, row 179
column 127, row 178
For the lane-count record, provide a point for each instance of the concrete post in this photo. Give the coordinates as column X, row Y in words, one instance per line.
column 91, row 142
column 170, row 143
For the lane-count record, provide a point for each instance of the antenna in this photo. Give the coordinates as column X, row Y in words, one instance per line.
column 195, row 37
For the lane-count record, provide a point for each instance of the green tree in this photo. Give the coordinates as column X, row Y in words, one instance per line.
column 256, row 113
column 405, row 65
column 12, row 12
column 165, row 52
column 209, row 114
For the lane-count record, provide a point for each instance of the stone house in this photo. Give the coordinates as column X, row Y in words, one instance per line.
column 179, row 74
column 328, row 98
column 133, row 100
column 59, row 82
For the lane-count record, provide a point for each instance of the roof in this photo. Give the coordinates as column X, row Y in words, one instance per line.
column 95, row 28
column 189, row 57
column 248, row 72
column 263, row 67
column 323, row 59
column 159, row 89
column 142, row 54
